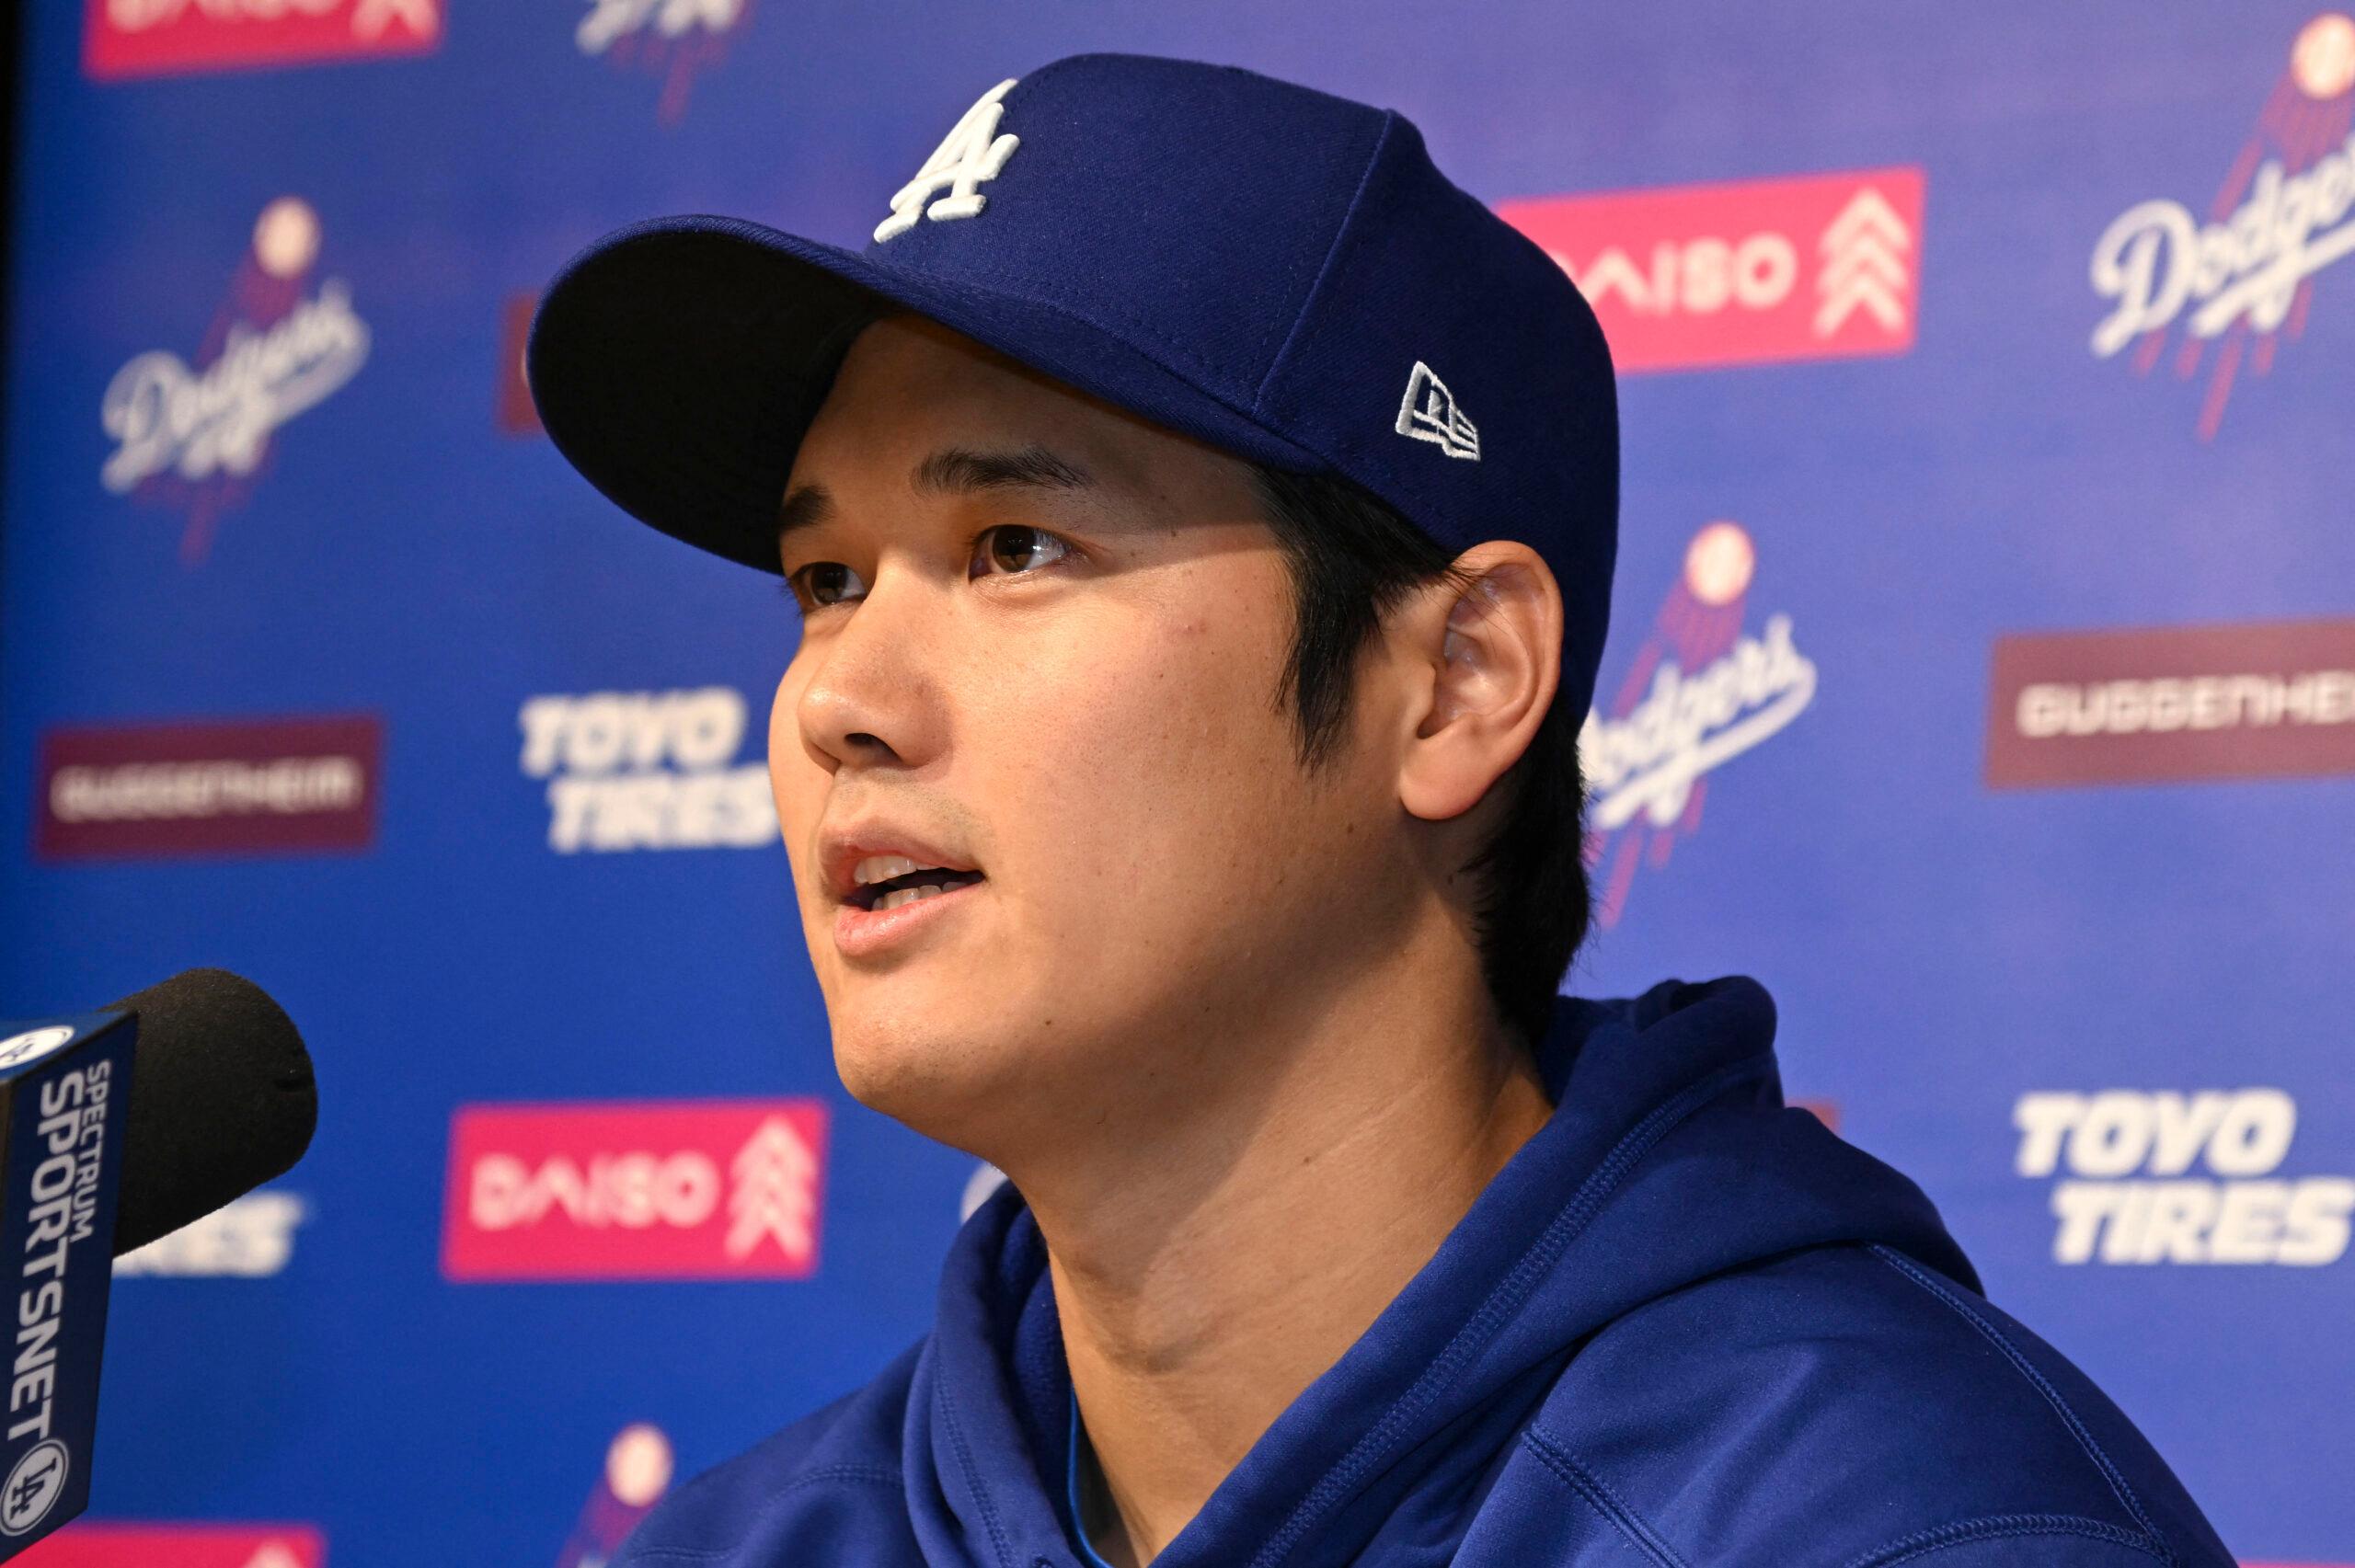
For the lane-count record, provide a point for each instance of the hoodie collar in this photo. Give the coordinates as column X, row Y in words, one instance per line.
column 1382, row 1457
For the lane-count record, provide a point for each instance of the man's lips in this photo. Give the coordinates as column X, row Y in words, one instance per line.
column 841, row 851
column 860, row 932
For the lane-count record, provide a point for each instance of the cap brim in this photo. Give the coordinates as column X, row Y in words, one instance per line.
column 677, row 363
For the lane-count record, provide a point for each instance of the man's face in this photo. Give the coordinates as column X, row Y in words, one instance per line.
column 1043, row 641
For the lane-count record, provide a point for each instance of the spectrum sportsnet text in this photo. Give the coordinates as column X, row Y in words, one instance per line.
column 2131, row 1196
column 63, row 1214
column 647, row 770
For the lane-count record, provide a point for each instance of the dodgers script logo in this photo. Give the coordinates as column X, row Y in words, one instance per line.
column 1703, row 691
column 2244, row 279
column 671, row 38
column 196, row 437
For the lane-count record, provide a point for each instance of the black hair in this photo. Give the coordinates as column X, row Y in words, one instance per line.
column 1353, row 558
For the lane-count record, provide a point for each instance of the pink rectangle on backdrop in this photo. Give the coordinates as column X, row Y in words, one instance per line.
column 720, row 1189
column 87, row 1543
column 169, row 37
column 2258, row 700
column 1812, row 267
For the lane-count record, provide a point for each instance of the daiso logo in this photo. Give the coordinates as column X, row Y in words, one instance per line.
column 691, row 1190
column 168, row 38
column 1812, row 267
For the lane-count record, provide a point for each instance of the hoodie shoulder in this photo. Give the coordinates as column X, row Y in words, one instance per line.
column 1848, row 1405
column 826, row 1489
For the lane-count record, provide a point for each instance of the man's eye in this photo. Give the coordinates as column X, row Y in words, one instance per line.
column 829, row 582
column 1018, row 548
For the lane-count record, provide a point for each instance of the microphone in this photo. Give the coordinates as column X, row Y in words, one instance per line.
column 122, row 1126
column 221, row 1100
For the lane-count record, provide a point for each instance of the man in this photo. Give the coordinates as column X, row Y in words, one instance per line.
column 1201, row 516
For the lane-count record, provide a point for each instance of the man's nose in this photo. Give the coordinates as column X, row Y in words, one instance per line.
column 874, row 695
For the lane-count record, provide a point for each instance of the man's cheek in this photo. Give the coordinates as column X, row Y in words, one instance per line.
column 1150, row 782
column 1123, row 746
column 796, row 784
column 782, row 793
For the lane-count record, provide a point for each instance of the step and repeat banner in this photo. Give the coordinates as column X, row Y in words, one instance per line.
column 1982, row 680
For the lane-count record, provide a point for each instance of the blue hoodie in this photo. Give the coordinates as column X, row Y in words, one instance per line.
column 1683, row 1325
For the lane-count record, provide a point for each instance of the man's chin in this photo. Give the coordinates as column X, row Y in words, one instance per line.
column 954, row 1088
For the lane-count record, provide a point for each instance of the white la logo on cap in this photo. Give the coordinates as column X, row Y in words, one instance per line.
column 970, row 153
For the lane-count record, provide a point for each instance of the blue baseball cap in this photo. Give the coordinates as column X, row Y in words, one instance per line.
column 1278, row 272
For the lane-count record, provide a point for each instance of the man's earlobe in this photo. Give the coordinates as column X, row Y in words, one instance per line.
column 1498, row 669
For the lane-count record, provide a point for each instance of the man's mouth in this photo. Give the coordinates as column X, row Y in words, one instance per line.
column 892, row 886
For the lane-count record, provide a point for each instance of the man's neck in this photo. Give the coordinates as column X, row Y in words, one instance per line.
column 1206, row 1281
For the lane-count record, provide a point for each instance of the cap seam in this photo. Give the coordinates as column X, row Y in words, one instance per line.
column 1119, row 330
column 1175, row 345
column 1067, row 299
column 1064, row 303
column 1332, row 258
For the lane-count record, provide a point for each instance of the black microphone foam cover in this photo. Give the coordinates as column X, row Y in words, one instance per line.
column 221, row 1100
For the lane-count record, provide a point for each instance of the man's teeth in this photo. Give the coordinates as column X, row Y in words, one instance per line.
column 878, row 868
column 908, row 895
column 883, row 868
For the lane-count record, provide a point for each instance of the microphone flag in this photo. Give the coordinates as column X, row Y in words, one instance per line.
column 64, row 1085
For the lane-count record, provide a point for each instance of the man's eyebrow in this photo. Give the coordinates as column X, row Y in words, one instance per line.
column 805, row 508
column 953, row 470
column 956, row 469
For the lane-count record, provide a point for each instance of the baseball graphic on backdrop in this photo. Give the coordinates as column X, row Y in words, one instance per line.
column 2322, row 59
column 286, row 237
column 639, row 1465
column 1718, row 562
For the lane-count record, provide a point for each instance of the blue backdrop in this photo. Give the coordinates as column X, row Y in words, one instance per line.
column 1869, row 444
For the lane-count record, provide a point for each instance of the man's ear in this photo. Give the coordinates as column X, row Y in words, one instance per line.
column 1494, row 657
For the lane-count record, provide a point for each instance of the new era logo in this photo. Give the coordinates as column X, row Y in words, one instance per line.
column 1429, row 413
